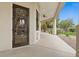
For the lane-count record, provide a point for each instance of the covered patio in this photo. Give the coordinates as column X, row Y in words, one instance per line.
column 41, row 44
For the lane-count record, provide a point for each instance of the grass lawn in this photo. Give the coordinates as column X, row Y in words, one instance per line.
column 70, row 33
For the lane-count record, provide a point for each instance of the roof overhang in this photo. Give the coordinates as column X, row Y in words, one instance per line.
column 50, row 9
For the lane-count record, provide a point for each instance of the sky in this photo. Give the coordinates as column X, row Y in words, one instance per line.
column 70, row 11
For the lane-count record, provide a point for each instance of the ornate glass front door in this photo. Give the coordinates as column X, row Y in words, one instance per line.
column 20, row 26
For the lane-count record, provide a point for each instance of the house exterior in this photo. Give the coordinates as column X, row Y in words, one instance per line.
column 6, row 20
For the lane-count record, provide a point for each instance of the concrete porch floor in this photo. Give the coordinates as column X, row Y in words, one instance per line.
column 69, row 40
column 45, row 47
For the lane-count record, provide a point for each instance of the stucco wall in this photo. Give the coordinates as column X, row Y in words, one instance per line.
column 6, row 24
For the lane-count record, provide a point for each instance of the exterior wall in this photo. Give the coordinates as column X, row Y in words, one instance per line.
column 39, row 18
column 6, row 24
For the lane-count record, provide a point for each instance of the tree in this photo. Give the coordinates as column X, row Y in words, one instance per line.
column 58, row 23
column 47, row 24
column 43, row 26
column 65, row 24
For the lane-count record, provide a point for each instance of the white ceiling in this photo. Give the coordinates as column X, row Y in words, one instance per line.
column 48, row 9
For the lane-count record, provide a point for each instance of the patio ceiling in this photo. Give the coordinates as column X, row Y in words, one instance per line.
column 49, row 9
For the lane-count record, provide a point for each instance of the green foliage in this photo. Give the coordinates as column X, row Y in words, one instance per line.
column 49, row 24
column 44, row 27
column 72, row 30
column 50, row 31
column 69, row 33
column 59, row 31
column 58, row 23
column 65, row 24
column 63, row 27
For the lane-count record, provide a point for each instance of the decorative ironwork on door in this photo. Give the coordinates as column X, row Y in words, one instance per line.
column 20, row 26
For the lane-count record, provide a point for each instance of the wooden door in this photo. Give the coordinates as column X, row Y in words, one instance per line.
column 20, row 26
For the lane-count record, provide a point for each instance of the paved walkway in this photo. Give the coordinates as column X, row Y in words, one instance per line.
column 47, row 46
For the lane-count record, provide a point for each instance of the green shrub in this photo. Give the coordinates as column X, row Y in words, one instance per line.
column 69, row 33
column 72, row 30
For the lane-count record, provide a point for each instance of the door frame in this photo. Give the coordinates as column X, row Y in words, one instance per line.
column 13, row 35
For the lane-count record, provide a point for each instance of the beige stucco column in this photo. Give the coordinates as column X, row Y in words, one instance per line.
column 54, row 27
column 77, row 41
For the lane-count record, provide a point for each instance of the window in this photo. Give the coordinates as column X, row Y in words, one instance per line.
column 37, row 20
